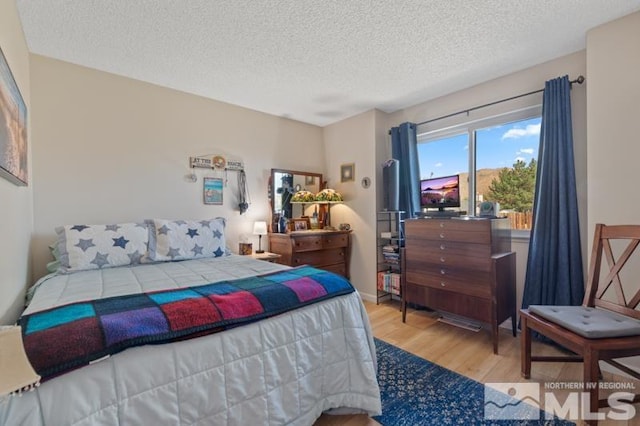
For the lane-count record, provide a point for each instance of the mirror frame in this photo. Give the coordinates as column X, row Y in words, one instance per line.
column 273, row 186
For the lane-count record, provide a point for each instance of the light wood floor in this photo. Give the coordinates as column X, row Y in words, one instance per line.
column 468, row 353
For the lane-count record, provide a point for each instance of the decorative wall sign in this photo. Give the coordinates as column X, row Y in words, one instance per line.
column 13, row 128
column 213, row 189
column 235, row 165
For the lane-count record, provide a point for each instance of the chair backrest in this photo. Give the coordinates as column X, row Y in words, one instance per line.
column 608, row 292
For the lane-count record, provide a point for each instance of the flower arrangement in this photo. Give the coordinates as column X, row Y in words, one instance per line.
column 303, row 197
column 328, row 195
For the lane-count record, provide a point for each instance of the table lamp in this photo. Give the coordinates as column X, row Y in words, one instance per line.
column 15, row 370
column 260, row 229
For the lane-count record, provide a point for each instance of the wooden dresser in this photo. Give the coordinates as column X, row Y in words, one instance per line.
column 464, row 267
column 328, row 250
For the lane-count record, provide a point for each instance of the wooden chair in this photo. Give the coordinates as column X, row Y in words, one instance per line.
column 612, row 331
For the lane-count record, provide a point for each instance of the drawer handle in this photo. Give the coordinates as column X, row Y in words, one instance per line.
column 442, row 247
column 441, row 235
column 442, row 259
column 441, row 225
column 442, row 283
column 443, row 272
column 328, row 241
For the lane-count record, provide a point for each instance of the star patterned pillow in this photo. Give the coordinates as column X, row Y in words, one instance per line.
column 83, row 247
column 183, row 239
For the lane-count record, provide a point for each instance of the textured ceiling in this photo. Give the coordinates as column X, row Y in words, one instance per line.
column 317, row 61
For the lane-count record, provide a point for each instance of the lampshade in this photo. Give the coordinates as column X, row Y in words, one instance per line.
column 16, row 371
column 260, row 228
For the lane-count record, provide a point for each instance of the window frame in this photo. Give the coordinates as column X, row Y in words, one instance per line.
column 431, row 132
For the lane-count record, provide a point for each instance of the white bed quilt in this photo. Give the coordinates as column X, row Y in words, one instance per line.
column 286, row 369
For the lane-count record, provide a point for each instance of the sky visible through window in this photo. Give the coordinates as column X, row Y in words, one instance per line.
column 497, row 147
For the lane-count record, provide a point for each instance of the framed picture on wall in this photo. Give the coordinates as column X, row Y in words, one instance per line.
column 213, row 190
column 13, row 128
column 347, row 172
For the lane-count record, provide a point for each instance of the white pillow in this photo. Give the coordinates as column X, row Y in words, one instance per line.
column 182, row 239
column 83, row 247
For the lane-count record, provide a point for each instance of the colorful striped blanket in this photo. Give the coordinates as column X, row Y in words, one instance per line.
column 71, row 336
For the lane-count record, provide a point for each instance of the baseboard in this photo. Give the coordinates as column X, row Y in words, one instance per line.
column 368, row 297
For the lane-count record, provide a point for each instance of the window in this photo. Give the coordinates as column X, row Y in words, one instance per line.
column 496, row 159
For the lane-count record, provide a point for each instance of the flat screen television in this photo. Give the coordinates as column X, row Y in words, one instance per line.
column 439, row 193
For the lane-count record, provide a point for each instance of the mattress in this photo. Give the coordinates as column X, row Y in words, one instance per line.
column 286, row 369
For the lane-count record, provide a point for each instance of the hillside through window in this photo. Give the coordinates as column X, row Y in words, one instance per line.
column 496, row 162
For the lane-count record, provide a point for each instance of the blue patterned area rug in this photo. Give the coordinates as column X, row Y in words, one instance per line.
column 418, row 392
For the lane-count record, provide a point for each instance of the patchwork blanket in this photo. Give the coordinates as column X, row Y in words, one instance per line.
column 66, row 337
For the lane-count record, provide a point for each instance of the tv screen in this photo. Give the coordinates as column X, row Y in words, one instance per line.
column 440, row 192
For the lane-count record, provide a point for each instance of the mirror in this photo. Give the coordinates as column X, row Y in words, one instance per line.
column 285, row 183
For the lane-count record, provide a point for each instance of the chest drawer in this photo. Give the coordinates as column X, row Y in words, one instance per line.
column 460, row 304
column 448, row 253
column 475, row 231
column 477, row 284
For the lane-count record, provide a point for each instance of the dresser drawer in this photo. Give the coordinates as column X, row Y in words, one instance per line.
column 338, row 268
column 468, row 231
column 312, row 242
column 333, row 241
column 319, row 258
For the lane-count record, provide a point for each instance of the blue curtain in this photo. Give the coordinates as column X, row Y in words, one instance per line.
column 404, row 148
column 554, row 266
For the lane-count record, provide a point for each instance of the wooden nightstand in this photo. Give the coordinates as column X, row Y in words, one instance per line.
column 267, row 256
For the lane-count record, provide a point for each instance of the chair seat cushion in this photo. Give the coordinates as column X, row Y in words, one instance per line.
column 591, row 323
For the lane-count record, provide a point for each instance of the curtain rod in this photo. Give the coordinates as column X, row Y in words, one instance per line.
column 578, row 80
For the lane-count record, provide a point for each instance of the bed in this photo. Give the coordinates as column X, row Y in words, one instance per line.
column 284, row 369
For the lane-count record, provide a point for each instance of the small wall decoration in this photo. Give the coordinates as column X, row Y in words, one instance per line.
column 13, row 128
column 347, row 172
column 213, row 190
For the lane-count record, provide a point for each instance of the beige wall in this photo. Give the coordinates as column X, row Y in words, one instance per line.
column 613, row 61
column 110, row 149
column 353, row 141
column 16, row 214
